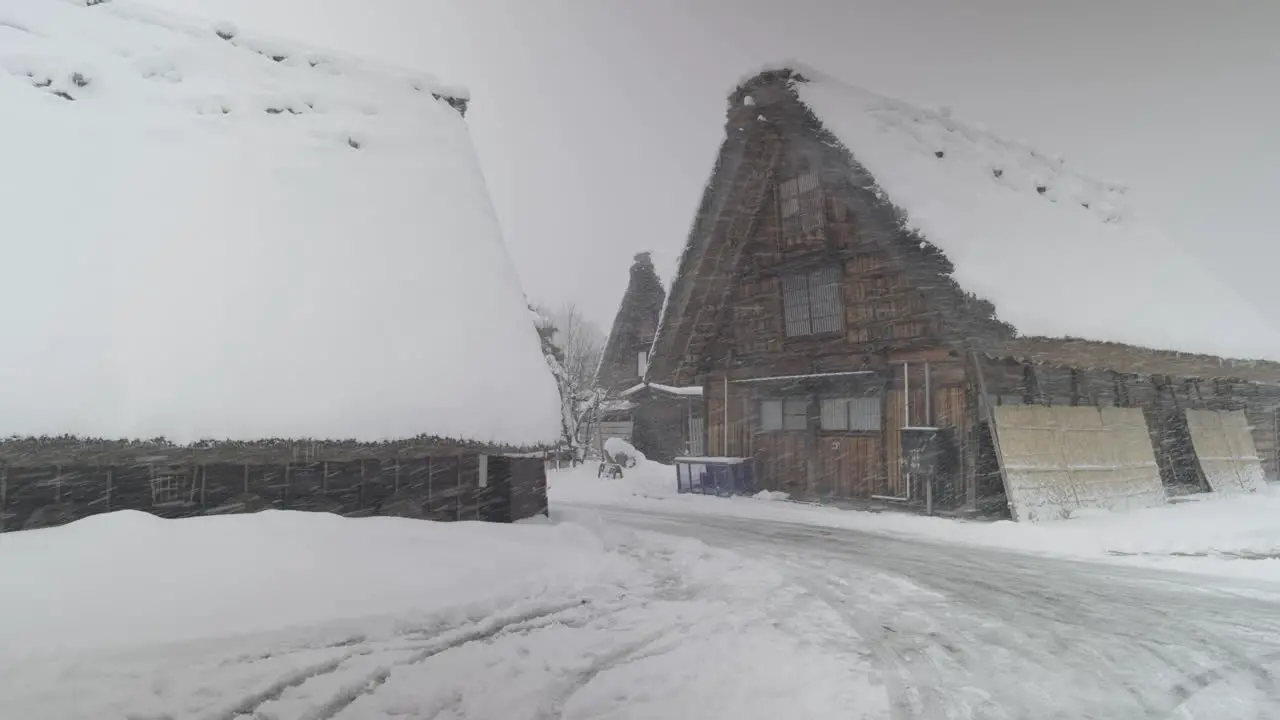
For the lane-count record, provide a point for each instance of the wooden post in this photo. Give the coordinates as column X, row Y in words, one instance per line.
column 928, row 400
column 928, row 494
column 724, row 416
column 906, row 404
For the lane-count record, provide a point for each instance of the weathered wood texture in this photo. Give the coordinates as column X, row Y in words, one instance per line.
column 436, row 488
column 787, row 200
column 660, row 426
column 633, row 327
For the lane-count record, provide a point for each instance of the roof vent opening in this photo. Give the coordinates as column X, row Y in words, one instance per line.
column 353, row 143
column 79, row 80
column 1042, row 189
column 279, row 58
column 997, row 172
column 1084, row 205
column 226, row 31
column 939, row 154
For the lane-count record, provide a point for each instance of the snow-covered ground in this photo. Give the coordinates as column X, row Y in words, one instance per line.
column 1224, row 535
column 633, row 602
column 280, row 616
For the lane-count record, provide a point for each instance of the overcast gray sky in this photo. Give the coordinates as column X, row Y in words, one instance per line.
column 597, row 121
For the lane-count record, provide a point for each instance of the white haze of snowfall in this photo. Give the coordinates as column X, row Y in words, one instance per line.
column 207, row 237
column 1071, row 261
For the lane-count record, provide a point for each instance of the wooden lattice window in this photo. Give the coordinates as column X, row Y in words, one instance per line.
column 801, row 207
column 167, row 488
column 851, row 414
column 784, row 414
column 812, row 302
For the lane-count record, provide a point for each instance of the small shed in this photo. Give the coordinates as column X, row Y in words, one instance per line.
column 667, row 421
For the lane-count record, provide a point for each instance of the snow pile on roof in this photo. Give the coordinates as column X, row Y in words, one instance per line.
column 208, row 235
column 684, row 391
column 1057, row 253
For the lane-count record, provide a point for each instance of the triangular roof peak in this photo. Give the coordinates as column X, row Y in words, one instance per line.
column 1059, row 253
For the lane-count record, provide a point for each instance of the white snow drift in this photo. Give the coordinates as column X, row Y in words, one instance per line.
column 290, row 616
column 212, row 235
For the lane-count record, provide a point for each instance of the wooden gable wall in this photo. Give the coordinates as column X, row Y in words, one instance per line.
column 897, row 304
column 903, row 318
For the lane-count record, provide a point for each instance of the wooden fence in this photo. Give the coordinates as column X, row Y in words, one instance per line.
column 453, row 487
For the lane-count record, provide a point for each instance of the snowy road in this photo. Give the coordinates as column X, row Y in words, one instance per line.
column 640, row 611
column 963, row 632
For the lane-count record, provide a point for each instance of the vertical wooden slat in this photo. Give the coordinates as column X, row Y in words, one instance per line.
column 850, row 465
column 716, row 435
column 894, row 420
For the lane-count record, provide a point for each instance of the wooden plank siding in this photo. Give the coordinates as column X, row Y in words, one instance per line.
column 782, row 461
column 810, row 212
column 850, row 466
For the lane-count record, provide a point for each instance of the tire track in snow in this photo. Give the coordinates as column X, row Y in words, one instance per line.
column 1185, row 691
column 608, row 661
column 484, row 630
column 895, row 667
column 249, row 705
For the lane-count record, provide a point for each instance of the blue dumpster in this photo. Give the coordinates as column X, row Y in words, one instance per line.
column 721, row 476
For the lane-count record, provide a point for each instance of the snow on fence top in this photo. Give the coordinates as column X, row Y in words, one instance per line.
column 209, row 236
column 1059, row 254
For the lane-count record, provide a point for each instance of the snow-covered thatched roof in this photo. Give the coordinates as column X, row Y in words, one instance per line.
column 1059, row 254
column 211, row 235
